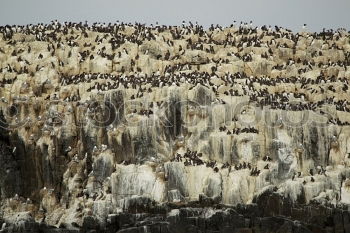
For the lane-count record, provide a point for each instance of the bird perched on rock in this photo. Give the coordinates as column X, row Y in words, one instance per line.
column 311, row 172
column 267, row 158
column 3, row 227
column 103, row 147
column 69, row 148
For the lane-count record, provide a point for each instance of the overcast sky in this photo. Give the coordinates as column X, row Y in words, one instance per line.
column 292, row 14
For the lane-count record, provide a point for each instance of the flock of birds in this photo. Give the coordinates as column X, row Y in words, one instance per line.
column 110, row 41
column 193, row 158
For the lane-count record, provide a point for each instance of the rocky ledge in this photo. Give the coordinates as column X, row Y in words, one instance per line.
column 269, row 213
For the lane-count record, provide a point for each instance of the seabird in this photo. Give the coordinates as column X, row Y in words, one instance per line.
column 69, row 148
column 3, row 227
column 103, row 147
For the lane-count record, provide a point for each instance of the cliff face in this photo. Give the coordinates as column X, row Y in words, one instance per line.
column 100, row 124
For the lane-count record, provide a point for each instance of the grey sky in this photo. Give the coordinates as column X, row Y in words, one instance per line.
column 287, row 13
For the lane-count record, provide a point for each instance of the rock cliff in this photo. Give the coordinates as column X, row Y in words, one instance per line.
column 135, row 128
